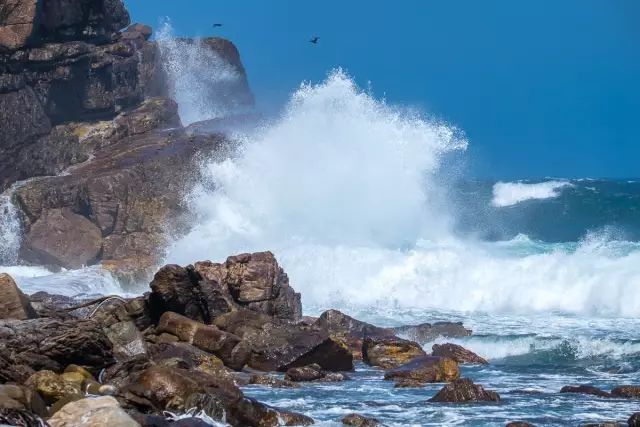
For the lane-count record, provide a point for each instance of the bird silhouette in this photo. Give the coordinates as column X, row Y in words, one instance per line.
column 217, row 25
column 314, row 40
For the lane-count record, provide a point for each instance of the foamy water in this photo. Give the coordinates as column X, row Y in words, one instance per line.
column 512, row 193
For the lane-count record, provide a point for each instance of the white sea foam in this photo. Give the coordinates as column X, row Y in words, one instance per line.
column 512, row 193
column 343, row 189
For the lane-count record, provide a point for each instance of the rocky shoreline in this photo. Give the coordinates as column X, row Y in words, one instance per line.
column 189, row 345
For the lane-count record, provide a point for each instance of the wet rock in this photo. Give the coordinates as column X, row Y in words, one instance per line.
column 464, row 390
column 408, row 383
column 92, row 412
column 228, row 347
column 176, row 289
column 627, row 391
column 605, row 424
column 350, row 331
column 427, row 369
column 359, row 421
column 426, row 332
column 519, row 424
column 634, row 420
column 51, row 386
column 126, row 339
column 13, row 303
column 19, row 417
column 271, row 381
column 585, row 389
column 52, row 344
column 250, row 412
column 457, row 353
column 389, row 353
column 22, row 398
column 305, row 373
column 61, row 237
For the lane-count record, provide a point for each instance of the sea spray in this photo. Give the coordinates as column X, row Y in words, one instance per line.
column 344, row 189
column 204, row 85
column 10, row 231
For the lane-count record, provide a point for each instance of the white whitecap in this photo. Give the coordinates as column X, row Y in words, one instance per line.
column 512, row 193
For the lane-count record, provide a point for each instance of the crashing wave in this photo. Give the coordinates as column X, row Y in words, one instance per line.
column 512, row 193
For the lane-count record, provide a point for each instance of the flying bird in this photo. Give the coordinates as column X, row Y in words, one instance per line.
column 217, row 25
column 314, row 40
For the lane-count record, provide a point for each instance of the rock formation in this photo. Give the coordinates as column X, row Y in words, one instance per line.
column 81, row 93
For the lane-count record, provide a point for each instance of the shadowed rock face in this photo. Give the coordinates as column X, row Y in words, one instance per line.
column 464, row 390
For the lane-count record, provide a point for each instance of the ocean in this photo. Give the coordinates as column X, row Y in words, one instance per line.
column 368, row 209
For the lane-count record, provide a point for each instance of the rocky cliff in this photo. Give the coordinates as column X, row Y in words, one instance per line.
column 85, row 93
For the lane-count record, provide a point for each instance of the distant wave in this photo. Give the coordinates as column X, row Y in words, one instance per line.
column 512, row 193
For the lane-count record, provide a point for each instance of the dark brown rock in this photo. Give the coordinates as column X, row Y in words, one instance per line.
column 627, row 391
column 464, row 390
column 457, row 353
column 408, row 383
column 389, row 353
column 426, row 369
column 634, row 420
column 585, row 389
column 350, row 331
column 305, row 373
column 250, row 412
column 228, row 347
column 271, row 381
column 358, row 420
column 519, row 424
column 13, row 303
column 22, row 398
column 53, row 344
column 426, row 332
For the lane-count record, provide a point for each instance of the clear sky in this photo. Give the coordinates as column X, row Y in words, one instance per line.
column 540, row 87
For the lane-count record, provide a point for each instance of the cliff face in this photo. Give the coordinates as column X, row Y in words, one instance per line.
column 79, row 95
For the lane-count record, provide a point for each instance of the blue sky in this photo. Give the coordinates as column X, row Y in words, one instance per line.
column 540, row 87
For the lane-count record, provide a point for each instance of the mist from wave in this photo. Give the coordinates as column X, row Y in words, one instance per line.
column 512, row 193
column 347, row 191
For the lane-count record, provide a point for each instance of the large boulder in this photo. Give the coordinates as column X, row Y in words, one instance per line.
column 52, row 344
column 427, row 369
column 92, row 412
column 390, row 353
column 351, row 331
column 278, row 345
column 464, row 390
column 457, row 353
column 13, row 303
column 62, row 237
column 228, row 347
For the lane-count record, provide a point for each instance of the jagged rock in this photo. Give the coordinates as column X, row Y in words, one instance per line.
column 349, row 330
column 358, row 420
column 271, row 381
column 22, row 398
column 13, row 303
column 457, row 353
column 389, row 353
column 634, row 420
column 228, row 347
column 51, row 386
column 53, row 344
column 61, row 237
column 628, row 391
column 12, row 372
column 92, row 412
column 426, row 332
column 426, row 369
column 464, row 390
column 585, row 389
column 278, row 345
